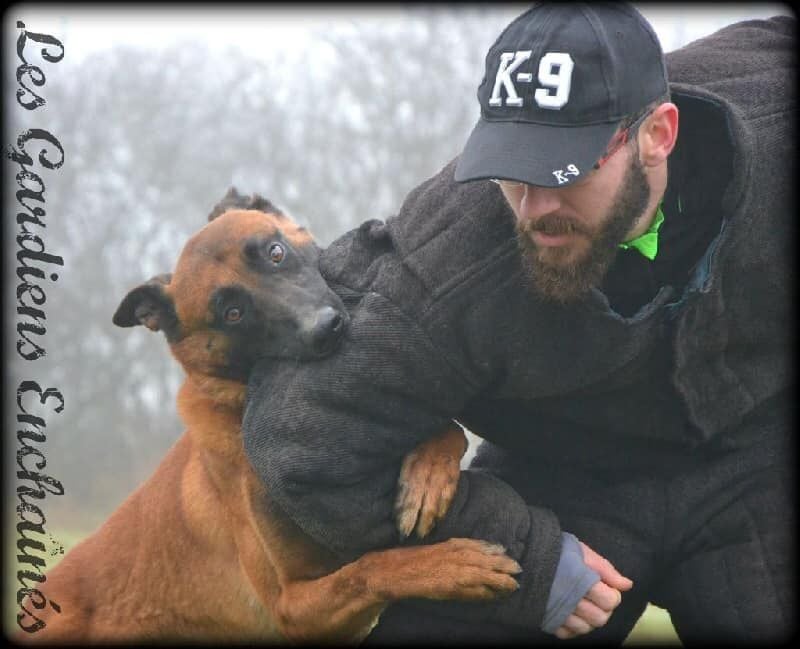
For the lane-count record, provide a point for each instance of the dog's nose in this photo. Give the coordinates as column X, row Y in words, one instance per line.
column 327, row 330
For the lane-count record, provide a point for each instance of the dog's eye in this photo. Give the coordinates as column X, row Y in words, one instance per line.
column 233, row 314
column 276, row 253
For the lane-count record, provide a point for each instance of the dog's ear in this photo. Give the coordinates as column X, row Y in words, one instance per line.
column 148, row 304
column 233, row 200
column 258, row 202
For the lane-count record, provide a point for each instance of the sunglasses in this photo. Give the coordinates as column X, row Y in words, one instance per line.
column 621, row 139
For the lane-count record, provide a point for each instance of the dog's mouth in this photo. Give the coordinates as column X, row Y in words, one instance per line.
column 315, row 342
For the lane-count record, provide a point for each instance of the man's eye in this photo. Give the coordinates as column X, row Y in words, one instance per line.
column 276, row 253
column 233, row 314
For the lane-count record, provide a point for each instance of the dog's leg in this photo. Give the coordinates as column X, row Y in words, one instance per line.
column 345, row 605
column 428, row 481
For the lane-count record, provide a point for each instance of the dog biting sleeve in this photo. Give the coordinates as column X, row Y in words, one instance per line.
column 327, row 439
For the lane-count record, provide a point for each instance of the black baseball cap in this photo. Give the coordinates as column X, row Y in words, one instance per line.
column 558, row 81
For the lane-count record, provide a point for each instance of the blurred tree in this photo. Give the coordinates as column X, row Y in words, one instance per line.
column 336, row 133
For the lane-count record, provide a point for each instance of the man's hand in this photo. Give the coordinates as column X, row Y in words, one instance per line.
column 596, row 607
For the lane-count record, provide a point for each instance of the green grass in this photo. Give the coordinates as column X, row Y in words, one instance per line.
column 654, row 627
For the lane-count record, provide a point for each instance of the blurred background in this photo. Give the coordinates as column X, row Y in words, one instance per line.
column 334, row 114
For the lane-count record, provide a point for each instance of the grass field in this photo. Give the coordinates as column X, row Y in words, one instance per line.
column 654, row 627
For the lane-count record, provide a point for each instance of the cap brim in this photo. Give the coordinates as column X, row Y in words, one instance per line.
column 536, row 154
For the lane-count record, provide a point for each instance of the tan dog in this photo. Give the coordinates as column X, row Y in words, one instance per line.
column 199, row 551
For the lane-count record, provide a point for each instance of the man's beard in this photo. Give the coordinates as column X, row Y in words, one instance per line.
column 552, row 274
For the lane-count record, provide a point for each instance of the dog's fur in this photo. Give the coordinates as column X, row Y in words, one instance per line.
column 200, row 551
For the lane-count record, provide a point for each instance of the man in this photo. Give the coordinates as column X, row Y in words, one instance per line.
column 612, row 316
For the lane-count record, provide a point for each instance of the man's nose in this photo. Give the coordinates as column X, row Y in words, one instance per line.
column 535, row 202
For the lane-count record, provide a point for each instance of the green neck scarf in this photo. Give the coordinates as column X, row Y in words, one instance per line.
column 647, row 243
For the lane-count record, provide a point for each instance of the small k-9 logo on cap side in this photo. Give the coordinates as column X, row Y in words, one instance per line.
column 555, row 76
column 561, row 174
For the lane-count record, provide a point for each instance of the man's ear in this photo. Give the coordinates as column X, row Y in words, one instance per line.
column 658, row 134
column 148, row 304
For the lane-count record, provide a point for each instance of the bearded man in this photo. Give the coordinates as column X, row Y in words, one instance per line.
column 605, row 298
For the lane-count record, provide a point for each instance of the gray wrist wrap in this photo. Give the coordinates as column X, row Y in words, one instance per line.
column 572, row 581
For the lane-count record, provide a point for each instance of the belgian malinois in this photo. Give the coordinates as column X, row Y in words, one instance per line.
column 199, row 551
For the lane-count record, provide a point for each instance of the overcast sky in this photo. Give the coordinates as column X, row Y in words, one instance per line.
column 261, row 31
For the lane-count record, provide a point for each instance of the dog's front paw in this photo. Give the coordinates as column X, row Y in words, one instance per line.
column 428, row 481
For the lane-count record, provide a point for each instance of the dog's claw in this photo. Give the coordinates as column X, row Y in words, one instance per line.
column 423, row 528
column 406, row 512
column 406, row 522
